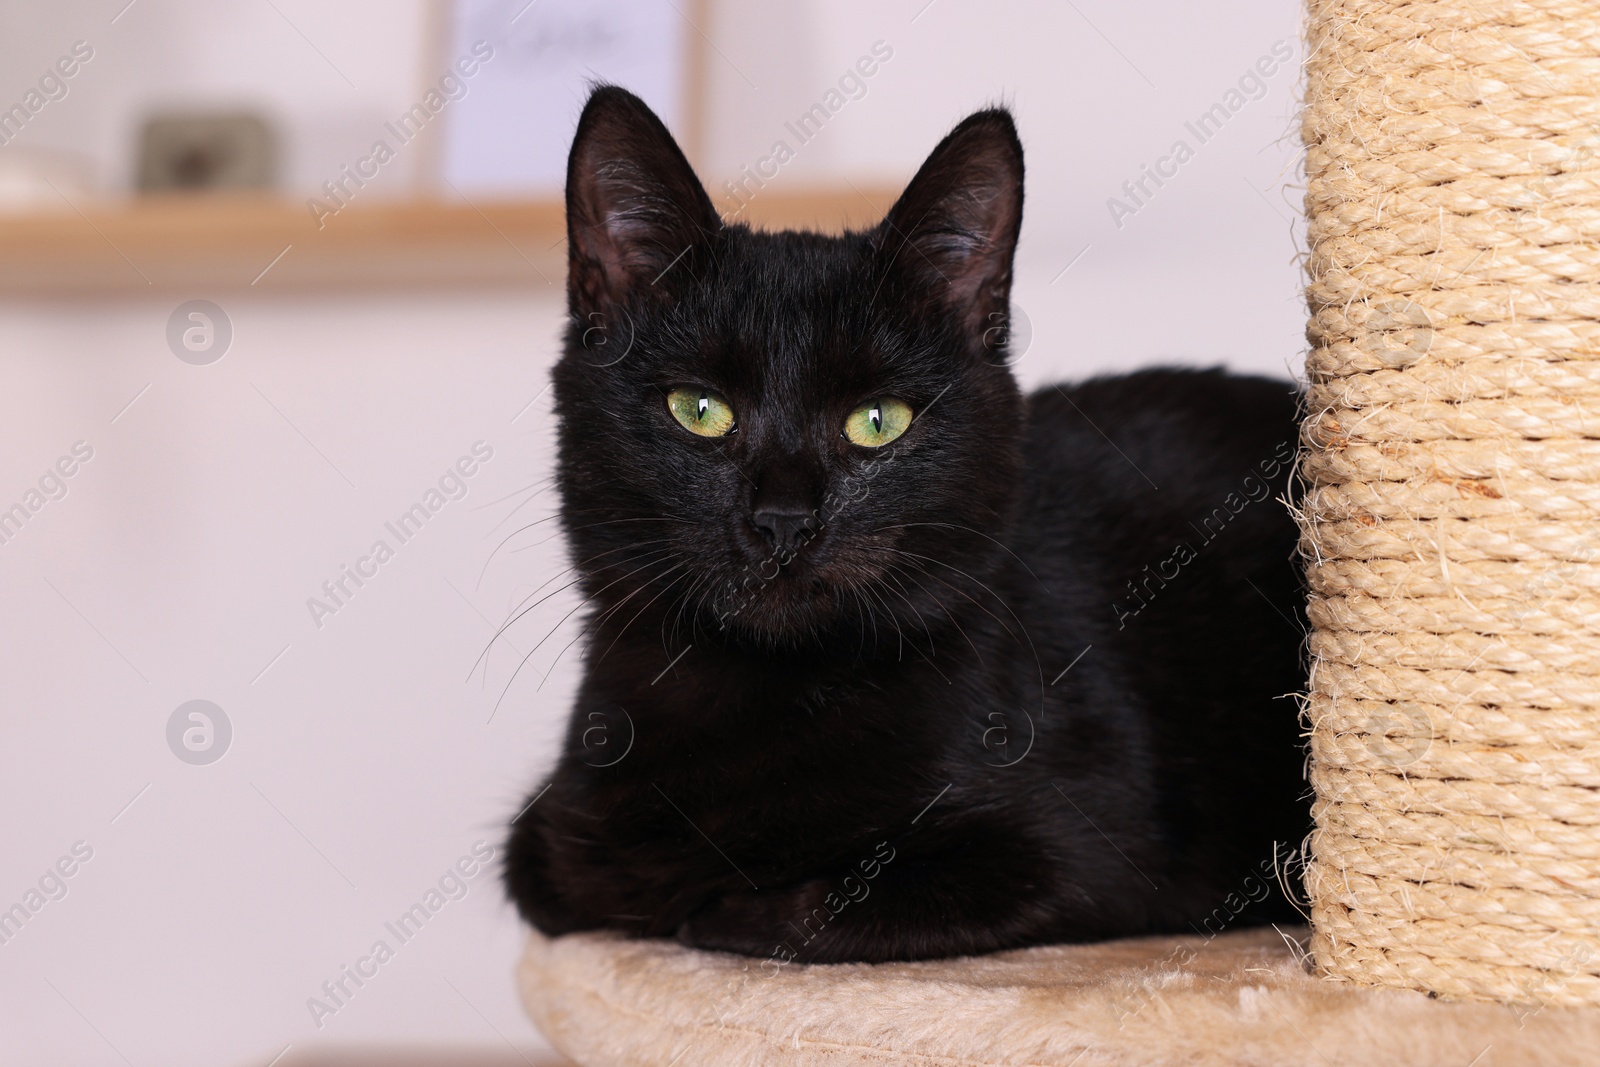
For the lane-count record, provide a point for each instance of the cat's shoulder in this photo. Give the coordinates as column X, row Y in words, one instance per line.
column 1163, row 426
column 1209, row 402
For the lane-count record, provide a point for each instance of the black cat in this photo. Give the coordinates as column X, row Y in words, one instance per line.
column 884, row 660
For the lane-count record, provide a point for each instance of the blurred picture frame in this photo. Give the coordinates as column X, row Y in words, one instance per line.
column 533, row 61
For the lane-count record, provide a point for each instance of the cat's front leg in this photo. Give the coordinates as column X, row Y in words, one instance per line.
column 760, row 922
column 898, row 902
column 527, row 872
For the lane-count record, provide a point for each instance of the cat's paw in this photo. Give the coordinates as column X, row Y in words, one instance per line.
column 755, row 924
column 729, row 927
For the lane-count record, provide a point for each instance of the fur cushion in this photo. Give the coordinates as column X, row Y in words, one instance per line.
column 1242, row 998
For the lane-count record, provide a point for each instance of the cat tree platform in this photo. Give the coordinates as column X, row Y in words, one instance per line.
column 1237, row 1000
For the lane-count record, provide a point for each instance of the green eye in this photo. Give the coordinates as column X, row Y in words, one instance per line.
column 701, row 411
column 877, row 422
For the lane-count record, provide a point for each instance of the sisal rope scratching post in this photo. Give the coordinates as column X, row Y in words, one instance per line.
column 1452, row 524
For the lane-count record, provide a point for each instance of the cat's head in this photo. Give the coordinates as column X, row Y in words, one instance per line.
column 779, row 436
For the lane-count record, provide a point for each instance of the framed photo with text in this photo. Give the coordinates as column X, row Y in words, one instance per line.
column 533, row 61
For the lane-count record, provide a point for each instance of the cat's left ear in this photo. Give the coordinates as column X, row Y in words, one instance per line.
column 953, row 232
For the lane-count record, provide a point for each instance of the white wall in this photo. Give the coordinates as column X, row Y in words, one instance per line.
column 364, row 760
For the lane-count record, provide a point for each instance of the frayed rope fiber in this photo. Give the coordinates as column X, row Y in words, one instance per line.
column 1452, row 519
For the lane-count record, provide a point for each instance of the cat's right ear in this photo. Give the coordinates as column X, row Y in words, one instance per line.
column 636, row 213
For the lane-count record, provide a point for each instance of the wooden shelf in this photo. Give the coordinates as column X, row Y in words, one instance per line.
column 204, row 244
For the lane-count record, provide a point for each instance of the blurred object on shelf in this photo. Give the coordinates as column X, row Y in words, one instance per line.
column 260, row 242
column 206, row 151
column 32, row 179
column 510, row 129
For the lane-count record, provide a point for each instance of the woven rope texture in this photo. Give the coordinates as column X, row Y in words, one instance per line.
column 1452, row 522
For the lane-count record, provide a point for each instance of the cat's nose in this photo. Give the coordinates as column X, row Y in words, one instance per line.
column 786, row 529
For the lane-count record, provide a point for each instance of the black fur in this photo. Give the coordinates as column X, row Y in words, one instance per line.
column 867, row 749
